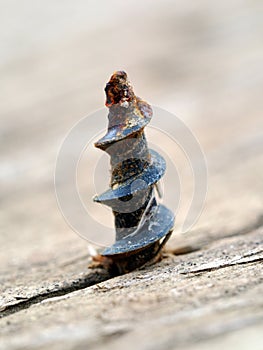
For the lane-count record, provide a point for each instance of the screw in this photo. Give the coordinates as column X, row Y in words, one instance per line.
column 142, row 225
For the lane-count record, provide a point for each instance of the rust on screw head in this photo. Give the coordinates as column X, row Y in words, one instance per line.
column 119, row 90
column 142, row 225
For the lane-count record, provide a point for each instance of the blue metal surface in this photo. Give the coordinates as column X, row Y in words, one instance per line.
column 148, row 177
column 119, row 132
column 154, row 229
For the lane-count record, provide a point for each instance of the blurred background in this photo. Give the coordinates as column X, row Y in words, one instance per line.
column 199, row 60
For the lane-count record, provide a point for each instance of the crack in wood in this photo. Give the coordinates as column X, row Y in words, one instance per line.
column 97, row 277
column 223, row 266
column 88, row 281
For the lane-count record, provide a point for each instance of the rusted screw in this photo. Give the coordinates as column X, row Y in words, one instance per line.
column 142, row 225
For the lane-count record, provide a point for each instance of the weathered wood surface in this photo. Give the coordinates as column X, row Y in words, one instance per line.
column 192, row 62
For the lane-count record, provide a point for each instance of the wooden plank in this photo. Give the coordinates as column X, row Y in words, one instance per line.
column 183, row 299
column 207, row 292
